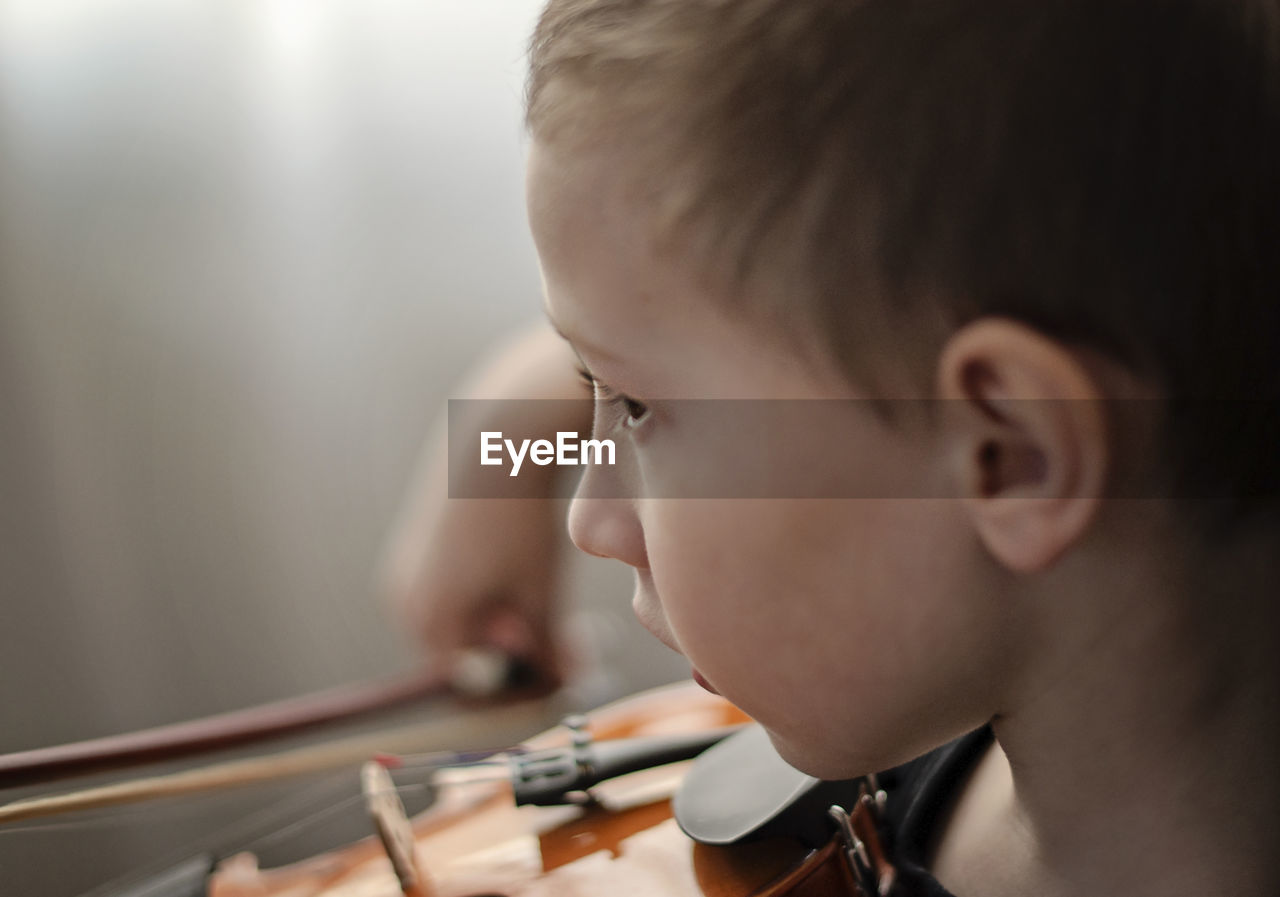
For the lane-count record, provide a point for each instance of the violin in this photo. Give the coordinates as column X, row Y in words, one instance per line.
column 480, row 840
column 607, row 802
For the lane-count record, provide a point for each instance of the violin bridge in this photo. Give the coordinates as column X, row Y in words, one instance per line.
column 393, row 828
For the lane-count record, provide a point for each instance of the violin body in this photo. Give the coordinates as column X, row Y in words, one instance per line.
column 475, row 841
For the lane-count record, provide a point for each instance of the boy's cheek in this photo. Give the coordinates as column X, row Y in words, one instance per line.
column 781, row 449
column 718, row 450
column 768, row 597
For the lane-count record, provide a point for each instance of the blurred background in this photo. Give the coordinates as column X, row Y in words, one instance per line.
column 246, row 249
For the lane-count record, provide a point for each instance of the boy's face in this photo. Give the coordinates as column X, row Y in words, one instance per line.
column 859, row 632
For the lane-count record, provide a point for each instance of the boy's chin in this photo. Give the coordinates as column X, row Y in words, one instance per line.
column 820, row 765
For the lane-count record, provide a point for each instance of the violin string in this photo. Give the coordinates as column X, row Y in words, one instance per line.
column 500, row 774
column 289, row 805
column 503, row 766
column 265, row 818
column 268, row 817
column 411, row 788
column 111, row 815
column 311, row 820
column 94, row 818
column 450, row 759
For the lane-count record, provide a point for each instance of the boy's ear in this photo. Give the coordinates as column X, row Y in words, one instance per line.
column 1027, row 435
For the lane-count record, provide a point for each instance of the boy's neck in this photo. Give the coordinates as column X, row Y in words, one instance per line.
column 1140, row 745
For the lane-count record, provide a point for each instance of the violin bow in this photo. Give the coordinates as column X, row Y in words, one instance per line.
column 476, row 725
column 485, row 676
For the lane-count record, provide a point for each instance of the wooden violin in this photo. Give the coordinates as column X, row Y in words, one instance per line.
column 554, row 816
column 475, row 840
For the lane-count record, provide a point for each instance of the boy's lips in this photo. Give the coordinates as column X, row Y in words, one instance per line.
column 649, row 611
column 701, row 680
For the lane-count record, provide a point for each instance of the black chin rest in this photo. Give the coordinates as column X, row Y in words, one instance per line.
column 741, row 790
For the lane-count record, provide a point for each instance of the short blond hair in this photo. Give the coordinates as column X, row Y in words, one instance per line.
column 1103, row 170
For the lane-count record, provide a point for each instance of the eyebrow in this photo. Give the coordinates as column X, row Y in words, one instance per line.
column 575, row 342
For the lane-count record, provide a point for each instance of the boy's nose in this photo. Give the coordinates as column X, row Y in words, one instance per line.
column 607, row 528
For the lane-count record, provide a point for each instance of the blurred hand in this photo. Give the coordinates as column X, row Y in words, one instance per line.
column 485, row 573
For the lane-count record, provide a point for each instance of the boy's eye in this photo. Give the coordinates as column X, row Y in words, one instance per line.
column 635, row 410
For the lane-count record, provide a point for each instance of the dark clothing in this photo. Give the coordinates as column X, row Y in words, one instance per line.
column 920, row 795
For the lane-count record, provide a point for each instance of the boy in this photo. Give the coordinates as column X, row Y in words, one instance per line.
column 1044, row 215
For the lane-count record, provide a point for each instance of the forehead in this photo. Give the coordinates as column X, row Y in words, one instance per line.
column 579, row 207
column 598, row 276
column 637, row 314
